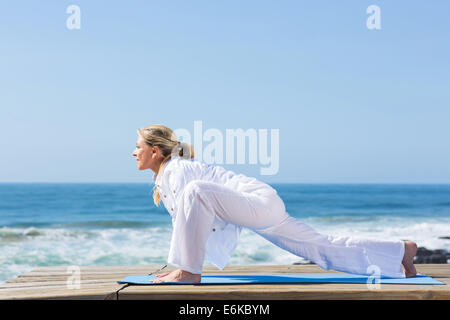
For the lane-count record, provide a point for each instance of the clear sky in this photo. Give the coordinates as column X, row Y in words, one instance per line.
column 352, row 105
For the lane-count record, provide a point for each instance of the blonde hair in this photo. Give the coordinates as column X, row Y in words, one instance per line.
column 163, row 137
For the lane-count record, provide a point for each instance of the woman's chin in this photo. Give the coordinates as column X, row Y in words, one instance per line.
column 142, row 168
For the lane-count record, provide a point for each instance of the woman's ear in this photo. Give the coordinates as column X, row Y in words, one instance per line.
column 155, row 150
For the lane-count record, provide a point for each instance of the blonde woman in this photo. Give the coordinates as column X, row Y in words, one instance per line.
column 209, row 205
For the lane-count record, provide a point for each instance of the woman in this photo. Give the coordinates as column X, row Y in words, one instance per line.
column 209, row 205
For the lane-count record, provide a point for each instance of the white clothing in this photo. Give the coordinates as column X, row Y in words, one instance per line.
column 209, row 206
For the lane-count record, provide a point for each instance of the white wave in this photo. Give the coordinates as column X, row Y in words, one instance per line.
column 71, row 247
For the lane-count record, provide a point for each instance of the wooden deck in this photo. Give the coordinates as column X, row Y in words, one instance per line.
column 100, row 282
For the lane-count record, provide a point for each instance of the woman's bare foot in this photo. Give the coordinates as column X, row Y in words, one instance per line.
column 179, row 276
column 408, row 258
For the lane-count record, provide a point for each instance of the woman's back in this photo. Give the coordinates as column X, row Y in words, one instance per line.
column 192, row 169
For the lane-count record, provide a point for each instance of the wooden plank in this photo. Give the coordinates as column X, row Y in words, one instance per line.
column 284, row 292
column 100, row 282
column 294, row 291
column 85, row 293
column 51, row 283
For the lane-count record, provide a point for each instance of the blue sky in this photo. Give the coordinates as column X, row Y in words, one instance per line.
column 352, row 105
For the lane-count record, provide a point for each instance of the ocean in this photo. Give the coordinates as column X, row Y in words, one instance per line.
column 47, row 224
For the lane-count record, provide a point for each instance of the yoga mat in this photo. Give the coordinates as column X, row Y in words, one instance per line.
column 290, row 278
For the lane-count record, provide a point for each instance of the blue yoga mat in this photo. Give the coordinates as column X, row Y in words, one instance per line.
column 289, row 278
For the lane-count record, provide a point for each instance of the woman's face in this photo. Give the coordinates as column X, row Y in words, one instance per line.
column 147, row 157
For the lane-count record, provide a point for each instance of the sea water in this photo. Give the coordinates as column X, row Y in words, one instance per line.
column 118, row 224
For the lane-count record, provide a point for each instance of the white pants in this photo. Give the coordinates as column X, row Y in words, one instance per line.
column 265, row 214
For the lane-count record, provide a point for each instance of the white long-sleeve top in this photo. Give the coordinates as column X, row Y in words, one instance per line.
column 177, row 172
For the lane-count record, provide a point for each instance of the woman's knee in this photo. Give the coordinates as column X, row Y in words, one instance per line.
column 195, row 187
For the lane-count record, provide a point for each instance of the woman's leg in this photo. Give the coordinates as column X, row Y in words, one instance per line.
column 201, row 203
column 408, row 259
column 346, row 254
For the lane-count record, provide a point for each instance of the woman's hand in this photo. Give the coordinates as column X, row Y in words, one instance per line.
column 162, row 274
